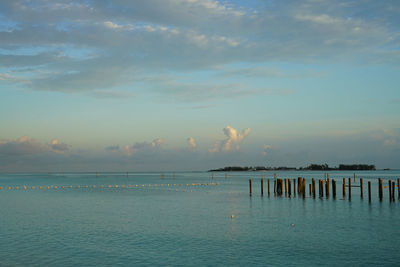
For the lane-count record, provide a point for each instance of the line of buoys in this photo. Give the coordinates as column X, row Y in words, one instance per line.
column 55, row 187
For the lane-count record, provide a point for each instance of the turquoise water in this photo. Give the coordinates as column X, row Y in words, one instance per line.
column 195, row 221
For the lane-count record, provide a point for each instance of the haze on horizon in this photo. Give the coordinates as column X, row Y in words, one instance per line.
column 169, row 85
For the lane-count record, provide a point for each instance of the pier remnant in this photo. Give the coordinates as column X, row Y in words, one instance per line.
column 262, row 187
column 250, row 187
column 344, row 187
column 333, row 188
column 369, row 191
column 349, row 188
column 313, row 187
column 380, row 189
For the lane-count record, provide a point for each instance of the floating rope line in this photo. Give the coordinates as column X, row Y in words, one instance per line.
column 66, row 187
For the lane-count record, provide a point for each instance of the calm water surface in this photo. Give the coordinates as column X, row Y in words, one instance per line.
column 215, row 223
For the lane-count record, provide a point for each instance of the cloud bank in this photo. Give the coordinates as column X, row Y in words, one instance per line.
column 93, row 46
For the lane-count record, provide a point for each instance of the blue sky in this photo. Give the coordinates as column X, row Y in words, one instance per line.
column 198, row 84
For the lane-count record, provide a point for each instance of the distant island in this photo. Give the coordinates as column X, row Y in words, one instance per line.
column 311, row 167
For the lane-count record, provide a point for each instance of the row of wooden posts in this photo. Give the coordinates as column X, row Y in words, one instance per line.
column 284, row 186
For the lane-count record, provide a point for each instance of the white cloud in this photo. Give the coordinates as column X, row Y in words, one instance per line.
column 112, row 25
column 232, row 142
column 57, row 146
column 138, row 148
column 191, row 144
column 323, row 19
column 25, row 146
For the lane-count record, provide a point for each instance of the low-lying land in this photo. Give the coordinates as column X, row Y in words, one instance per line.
column 311, row 167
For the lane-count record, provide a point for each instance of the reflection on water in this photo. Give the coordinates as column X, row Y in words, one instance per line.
column 202, row 224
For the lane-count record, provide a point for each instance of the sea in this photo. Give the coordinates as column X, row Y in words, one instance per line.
column 194, row 219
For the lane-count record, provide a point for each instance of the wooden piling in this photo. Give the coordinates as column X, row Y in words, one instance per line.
column 393, row 185
column 333, row 188
column 380, row 188
column 298, row 185
column 390, row 190
column 369, row 191
column 349, row 188
column 313, row 187
column 327, row 188
column 398, row 188
column 268, row 188
column 250, row 187
column 344, row 187
column 304, row 187
column 285, row 186
column 321, row 188
column 262, row 187
column 289, row 187
column 294, row 187
column 277, row 186
column 361, row 187
column 274, row 186
column 309, row 189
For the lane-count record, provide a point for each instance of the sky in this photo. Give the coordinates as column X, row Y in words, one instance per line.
column 181, row 85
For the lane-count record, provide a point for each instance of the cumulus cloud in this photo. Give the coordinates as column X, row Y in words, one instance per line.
column 57, row 146
column 234, row 139
column 25, row 146
column 232, row 142
column 138, row 147
column 191, row 144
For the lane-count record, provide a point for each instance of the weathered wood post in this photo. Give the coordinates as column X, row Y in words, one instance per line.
column 369, row 191
column 285, row 186
column 274, row 186
column 398, row 187
column 269, row 192
column 390, row 190
column 393, row 185
column 313, row 187
column 334, row 188
column 278, row 185
column 294, row 187
column 380, row 189
column 290, row 187
column 344, row 187
column 309, row 189
column 361, row 188
column 327, row 186
column 262, row 187
column 304, row 187
column 250, row 187
column 321, row 188
column 298, row 185
column 349, row 188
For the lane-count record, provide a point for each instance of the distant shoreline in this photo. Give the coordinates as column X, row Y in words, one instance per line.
column 312, row 167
